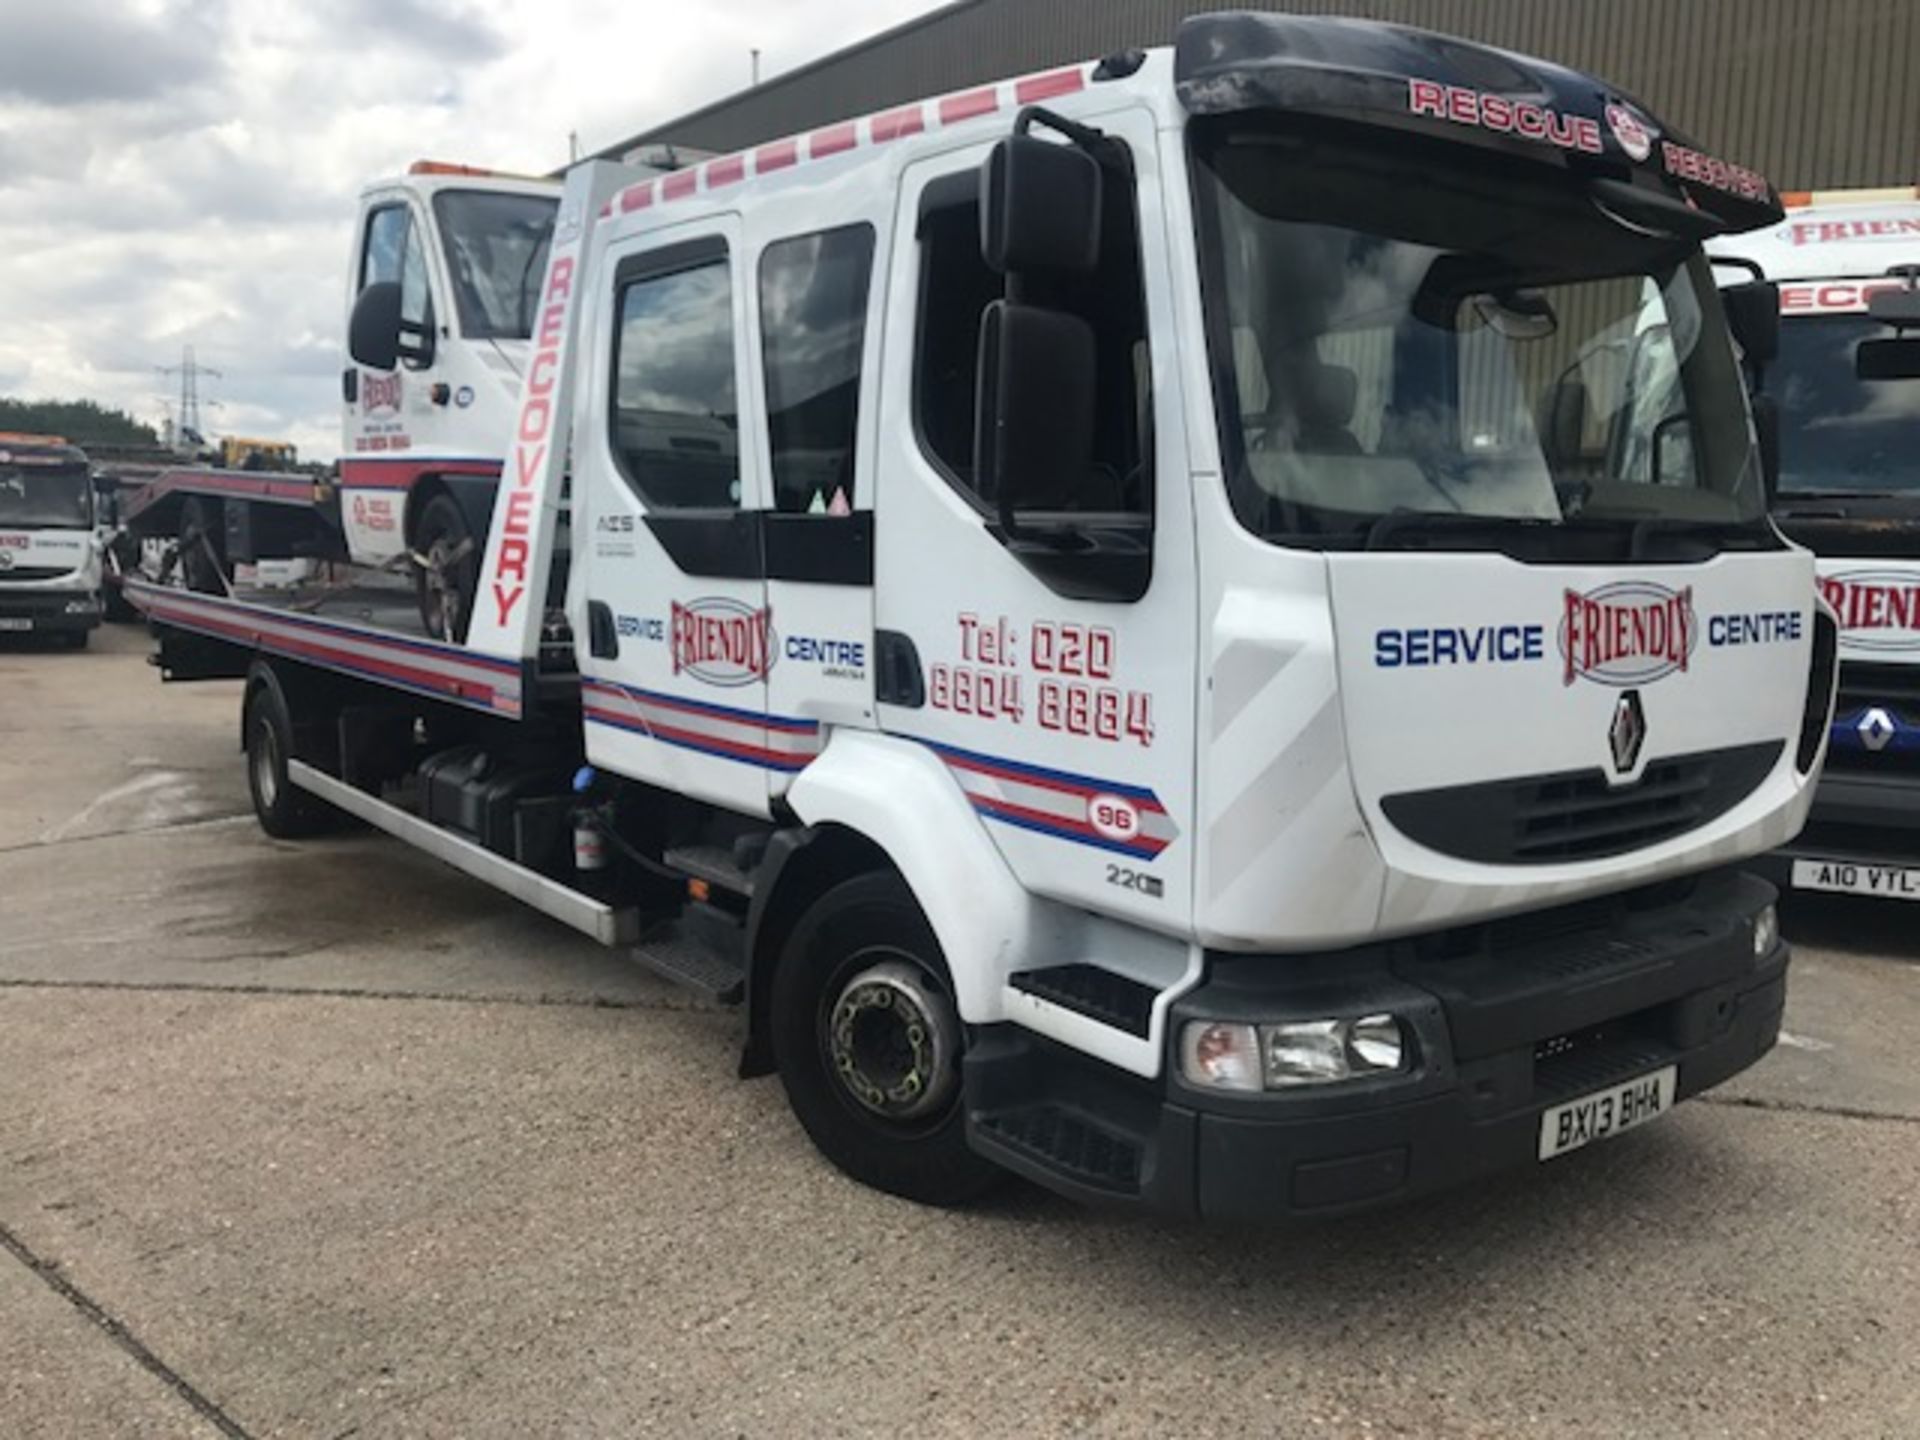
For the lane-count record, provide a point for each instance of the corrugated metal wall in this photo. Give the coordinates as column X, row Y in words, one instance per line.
column 1815, row 93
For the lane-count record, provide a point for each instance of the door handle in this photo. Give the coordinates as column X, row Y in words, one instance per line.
column 350, row 384
column 897, row 678
column 603, row 639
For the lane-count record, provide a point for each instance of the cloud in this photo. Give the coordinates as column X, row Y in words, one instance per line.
column 78, row 51
column 178, row 172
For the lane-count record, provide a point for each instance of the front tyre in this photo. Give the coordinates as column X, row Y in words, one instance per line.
column 868, row 1043
column 446, row 569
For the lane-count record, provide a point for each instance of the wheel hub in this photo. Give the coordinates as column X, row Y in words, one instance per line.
column 266, row 765
column 892, row 1038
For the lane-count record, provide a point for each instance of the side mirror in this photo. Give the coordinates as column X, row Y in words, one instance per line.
column 1562, row 422
column 1039, row 206
column 1673, row 451
column 1033, row 437
column 373, row 329
column 1766, row 433
column 1753, row 314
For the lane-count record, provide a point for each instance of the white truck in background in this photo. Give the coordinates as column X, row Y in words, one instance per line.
column 50, row 547
column 1846, row 391
column 1131, row 616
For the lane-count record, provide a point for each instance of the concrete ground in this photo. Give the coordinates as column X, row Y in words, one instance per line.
column 325, row 1140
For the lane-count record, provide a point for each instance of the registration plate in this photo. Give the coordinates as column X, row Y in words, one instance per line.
column 8, row 622
column 1894, row 881
column 1607, row 1112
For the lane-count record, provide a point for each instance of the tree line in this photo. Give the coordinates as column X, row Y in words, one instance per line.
column 81, row 421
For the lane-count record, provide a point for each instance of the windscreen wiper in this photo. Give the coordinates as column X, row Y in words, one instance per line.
column 1392, row 530
column 1647, row 533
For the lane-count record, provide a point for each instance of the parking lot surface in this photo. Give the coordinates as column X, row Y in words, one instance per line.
column 326, row 1140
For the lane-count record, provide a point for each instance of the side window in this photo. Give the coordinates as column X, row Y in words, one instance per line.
column 393, row 253
column 956, row 286
column 387, row 231
column 676, row 425
column 813, row 325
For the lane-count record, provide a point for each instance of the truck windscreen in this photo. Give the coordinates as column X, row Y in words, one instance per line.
column 1397, row 337
column 1838, row 432
column 45, row 497
column 496, row 248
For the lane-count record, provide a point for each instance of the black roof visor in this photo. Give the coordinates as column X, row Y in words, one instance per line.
column 1396, row 77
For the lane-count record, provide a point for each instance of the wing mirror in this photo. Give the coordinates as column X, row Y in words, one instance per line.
column 377, row 335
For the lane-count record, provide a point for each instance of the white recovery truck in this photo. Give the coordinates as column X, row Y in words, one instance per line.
column 457, row 254
column 1845, row 393
column 1056, row 597
column 49, row 546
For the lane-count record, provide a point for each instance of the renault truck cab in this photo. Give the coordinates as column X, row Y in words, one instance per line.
column 1849, row 489
column 49, row 548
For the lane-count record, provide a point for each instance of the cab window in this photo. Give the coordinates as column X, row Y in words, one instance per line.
column 393, row 253
column 676, row 423
column 813, row 327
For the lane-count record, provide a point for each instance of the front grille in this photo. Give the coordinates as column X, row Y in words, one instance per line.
column 1893, row 688
column 31, row 574
column 1577, row 815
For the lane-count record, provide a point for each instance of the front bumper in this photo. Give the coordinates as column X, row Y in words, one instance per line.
column 1510, row 1018
column 1858, row 818
column 45, row 612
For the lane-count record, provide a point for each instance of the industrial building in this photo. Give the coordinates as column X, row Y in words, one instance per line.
column 1814, row 93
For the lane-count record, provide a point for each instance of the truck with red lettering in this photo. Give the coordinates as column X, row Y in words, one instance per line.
column 451, row 256
column 50, row 548
column 1201, row 628
column 1843, row 400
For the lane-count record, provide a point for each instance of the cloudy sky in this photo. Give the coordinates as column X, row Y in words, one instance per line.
column 178, row 172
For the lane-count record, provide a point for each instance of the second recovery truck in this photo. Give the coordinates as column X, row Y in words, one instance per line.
column 1162, row 625
column 49, row 551
column 1849, row 442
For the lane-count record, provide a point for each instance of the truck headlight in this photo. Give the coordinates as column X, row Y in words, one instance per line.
column 1222, row 1055
column 1766, row 931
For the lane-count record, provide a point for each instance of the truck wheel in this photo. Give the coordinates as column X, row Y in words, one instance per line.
column 283, row 810
column 201, row 561
column 77, row 639
column 446, row 582
column 868, row 1042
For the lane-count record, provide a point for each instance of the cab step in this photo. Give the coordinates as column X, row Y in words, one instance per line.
column 1063, row 1142
column 689, row 957
column 1115, row 1000
column 718, row 865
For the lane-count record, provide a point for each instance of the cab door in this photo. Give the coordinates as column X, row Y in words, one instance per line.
column 387, row 414
column 1064, row 714
column 680, row 637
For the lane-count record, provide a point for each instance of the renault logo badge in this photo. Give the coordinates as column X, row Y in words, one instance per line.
column 6, row 559
column 1628, row 732
column 1875, row 729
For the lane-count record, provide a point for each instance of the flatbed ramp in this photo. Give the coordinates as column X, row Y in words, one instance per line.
column 368, row 630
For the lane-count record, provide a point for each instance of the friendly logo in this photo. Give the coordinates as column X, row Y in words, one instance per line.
column 722, row 641
column 1631, row 632
column 1877, row 609
column 1629, row 131
column 379, row 392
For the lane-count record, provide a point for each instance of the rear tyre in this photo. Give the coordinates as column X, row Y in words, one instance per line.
column 202, row 555
column 283, row 810
column 445, row 583
column 868, row 1042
